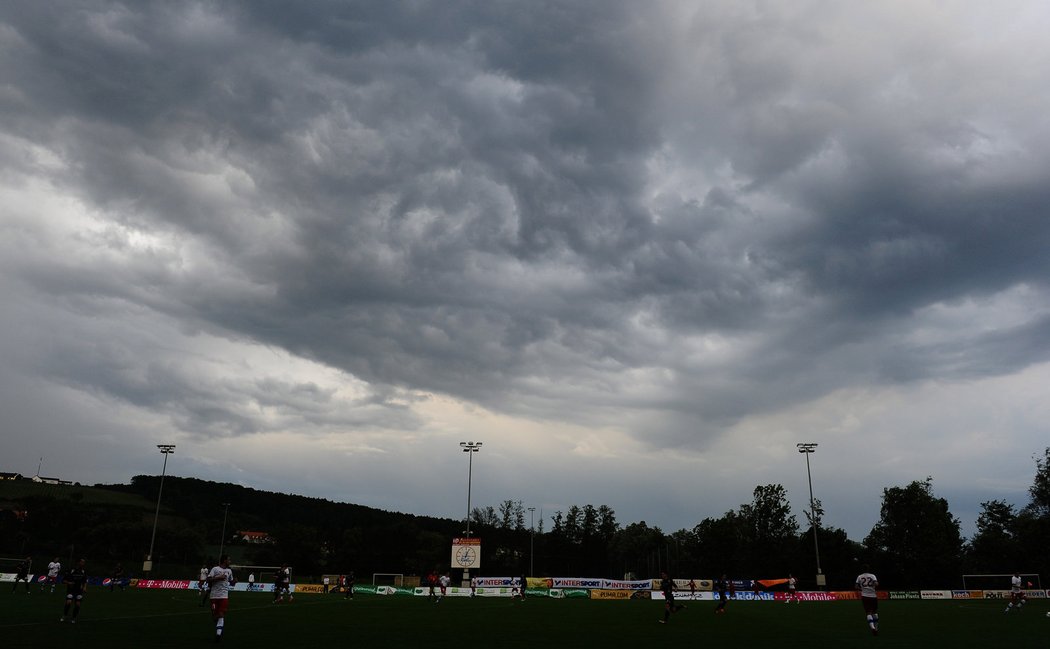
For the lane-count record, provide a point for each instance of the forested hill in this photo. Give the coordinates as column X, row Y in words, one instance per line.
column 313, row 533
column 254, row 509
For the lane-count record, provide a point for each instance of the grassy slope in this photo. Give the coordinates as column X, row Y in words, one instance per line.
column 173, row 619
column 13, row 490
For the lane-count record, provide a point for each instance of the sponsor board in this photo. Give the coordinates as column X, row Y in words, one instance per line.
column 309, row 588
column 688, row 597
column 700, row 584
column 496, row 581
column 904, row 594
column 603, row 593
column 459, row 591
column 619, row 584
column 996, row 594
column 176, row 584
column 751, row 596
column 967, row 594
column 846, row 594
column 575, row 582
column 808, row 596
column 935, row 594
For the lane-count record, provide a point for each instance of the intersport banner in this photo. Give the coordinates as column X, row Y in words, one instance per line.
column 607, row 584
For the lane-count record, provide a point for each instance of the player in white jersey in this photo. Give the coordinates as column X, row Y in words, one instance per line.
column 220, row 579
column 867, row 584
column 443, row 581
column 1017, row 595
column 53, row 569
column 792, row 589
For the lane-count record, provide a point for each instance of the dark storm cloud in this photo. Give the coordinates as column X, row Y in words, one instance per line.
column 459, row 198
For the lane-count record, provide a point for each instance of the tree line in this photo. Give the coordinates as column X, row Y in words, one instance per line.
column 916, row 542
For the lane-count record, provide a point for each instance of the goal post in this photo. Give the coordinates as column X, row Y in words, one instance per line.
column 396, row 579
column 1000, row 581
column 263, row 574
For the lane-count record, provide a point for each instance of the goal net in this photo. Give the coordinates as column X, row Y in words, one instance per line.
column 263, row 574
column 1000, row 581
column 388, row 579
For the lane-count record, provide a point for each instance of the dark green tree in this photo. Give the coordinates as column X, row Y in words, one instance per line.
column 994, row 547
column 916, row 542
column 770, row 532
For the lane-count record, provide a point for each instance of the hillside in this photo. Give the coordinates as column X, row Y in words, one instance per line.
column 112, row 523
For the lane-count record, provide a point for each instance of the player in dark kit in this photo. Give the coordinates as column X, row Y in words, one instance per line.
column 76, row 584
column 667, row 586
column 22, row 574
column 721, row 585
column 348, row 585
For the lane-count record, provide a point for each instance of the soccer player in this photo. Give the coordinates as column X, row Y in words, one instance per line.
column 792, row 589
column 522, row 585
column 432, row 579
column 251, row 581
column 668, row 587
column 348, row 584
column 692, row 589
column 76, row 585
column 1017, row 595
column 118, row 577
column 282, row 585
column 721, row 585
column 202, row 584
column 220, row 580
column 474, row 586
column 443, row 581
column 22, row 574
column 53, row 569
column 867, row 584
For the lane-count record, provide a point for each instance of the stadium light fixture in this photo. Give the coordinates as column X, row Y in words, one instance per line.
column 807, row 449
column 166, row 449
column 532, row 541
column 470, row 448
column 222, row 539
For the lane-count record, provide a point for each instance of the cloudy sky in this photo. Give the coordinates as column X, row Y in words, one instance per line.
column 639, row 249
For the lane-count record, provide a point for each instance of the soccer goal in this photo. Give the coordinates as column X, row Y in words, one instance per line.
column 1000, row 581
column 388, row 579
column 263, row 574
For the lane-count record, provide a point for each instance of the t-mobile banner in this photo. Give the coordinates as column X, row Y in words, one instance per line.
column 177, row 584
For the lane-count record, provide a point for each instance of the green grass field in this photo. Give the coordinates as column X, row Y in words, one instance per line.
column 173, row 619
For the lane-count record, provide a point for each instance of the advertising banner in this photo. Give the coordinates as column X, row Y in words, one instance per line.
column 808, row 596
column 466, row 553
column 935, row 594
column 496, row 581
column 309, row 588
column 904, row 594
column 601, row 593
column 575, row 582
column 635, row 584
column 700, row 584
column 178, row 584
column 967, row 594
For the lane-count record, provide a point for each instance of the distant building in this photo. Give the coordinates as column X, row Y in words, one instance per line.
column 10, row 476
column 41, row 479
column 254, row 537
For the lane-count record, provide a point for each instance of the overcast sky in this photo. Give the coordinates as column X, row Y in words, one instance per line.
column 640, row 250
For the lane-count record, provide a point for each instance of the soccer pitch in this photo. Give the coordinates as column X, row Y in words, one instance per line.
column 151, row 618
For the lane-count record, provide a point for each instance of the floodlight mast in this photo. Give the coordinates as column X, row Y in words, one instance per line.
column 806, row 449
column 470, row 448
column 166, row 449
column 532, row 541
column 222, row 539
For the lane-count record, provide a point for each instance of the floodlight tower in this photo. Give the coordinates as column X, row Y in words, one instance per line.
column 532, row 541
column 222, row 539
column 806, row 449
column 470, row 448
column 166, row 449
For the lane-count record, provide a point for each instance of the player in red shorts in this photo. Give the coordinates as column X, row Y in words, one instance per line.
column 220, row 579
